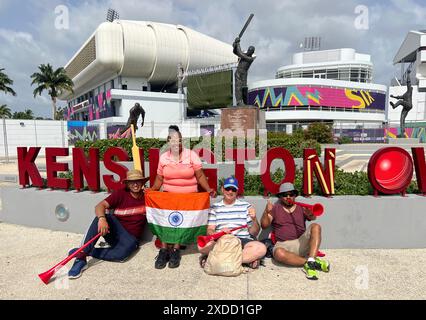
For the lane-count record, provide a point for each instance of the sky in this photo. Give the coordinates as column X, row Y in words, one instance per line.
column 37, row 32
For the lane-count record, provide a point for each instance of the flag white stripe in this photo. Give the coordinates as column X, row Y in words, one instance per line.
column 189, row 218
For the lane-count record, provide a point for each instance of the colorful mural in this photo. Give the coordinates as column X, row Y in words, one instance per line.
column 360, row 135
column 96, row 107
column 80, row 130
column 114, row 132
column 317, row 96
column 419, row 133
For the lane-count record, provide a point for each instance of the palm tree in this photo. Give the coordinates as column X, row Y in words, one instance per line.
column 27, row 114
column 5, row 83
column 5, row 111
column 60, row 114
column 55, row 81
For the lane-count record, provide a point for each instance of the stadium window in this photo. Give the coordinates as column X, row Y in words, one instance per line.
column 308, row 74
column 344, row 74
column 113, row 108
column 355, row 74
column 332, row 74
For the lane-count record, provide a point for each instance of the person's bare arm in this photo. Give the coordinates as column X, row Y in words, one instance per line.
column 266, row 219
column 202, row 180
column 255, row 227
column 157, row 183
column 211, row 229
column 308, row 214
column 100, row 209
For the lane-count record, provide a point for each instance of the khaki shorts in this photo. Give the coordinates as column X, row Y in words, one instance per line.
column 298, row 246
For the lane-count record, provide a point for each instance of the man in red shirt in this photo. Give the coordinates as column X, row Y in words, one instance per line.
column 295, row 242
column 122, row 229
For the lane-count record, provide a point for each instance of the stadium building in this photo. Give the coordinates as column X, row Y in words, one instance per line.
column 124, row 62
column 331, row 86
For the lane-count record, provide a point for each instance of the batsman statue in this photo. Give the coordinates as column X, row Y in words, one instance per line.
column 405, row 102
column 244, row 63
column 134, row 114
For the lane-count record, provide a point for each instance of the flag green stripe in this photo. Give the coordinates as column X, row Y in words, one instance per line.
column 177, row 235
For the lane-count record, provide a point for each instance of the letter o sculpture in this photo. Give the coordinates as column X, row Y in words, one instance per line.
column 390, row 170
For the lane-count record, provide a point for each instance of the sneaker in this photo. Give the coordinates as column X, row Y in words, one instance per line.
column 322, row 265
column 174, row 261
column 309, row 268
column 81, row 255
column 162, row 258
column 77, row 268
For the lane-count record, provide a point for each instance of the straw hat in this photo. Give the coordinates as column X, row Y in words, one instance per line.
column 135, row 175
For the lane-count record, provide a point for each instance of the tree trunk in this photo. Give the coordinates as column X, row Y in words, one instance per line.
column 53, row 107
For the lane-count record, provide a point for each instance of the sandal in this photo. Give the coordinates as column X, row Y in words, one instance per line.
column 202, row 260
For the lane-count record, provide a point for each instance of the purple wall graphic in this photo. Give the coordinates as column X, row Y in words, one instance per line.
column 317, row 96
column 99, row 107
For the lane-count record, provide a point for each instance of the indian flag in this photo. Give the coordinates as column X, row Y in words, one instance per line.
column 177, row 217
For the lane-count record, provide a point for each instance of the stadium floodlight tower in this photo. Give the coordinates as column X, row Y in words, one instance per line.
column 112, row 15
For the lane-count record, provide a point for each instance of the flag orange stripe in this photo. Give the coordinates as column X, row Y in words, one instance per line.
column 177, row 201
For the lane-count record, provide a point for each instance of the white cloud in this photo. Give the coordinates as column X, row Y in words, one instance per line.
column 277, row 29
column 20, row 56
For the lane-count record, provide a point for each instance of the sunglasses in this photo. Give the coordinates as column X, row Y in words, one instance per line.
column 231, row 189
column 287, row 194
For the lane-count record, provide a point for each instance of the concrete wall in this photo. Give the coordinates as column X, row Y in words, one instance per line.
column 348, row 221
column 31, row 133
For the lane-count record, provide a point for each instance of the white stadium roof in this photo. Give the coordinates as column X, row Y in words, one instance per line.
column 144, row 49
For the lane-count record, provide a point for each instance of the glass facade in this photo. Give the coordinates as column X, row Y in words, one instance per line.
column 354, row 73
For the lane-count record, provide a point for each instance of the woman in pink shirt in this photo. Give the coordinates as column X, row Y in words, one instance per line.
column 179, row 171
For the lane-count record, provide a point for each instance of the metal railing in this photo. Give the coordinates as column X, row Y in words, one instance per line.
column 322, row 108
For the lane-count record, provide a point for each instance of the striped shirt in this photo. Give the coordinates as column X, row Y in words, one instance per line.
column 231, row 216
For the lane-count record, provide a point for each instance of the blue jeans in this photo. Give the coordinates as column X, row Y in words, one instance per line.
column 122, row 243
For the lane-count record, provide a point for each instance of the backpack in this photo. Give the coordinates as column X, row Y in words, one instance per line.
column 226, row 257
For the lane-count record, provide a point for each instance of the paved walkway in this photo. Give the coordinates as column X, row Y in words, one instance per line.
column 355, row 274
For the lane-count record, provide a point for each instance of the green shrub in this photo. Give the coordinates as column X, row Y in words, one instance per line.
column 344, row 139
column 294, row 145
column 346, row 183
column 320, row 132
column 126, row 144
